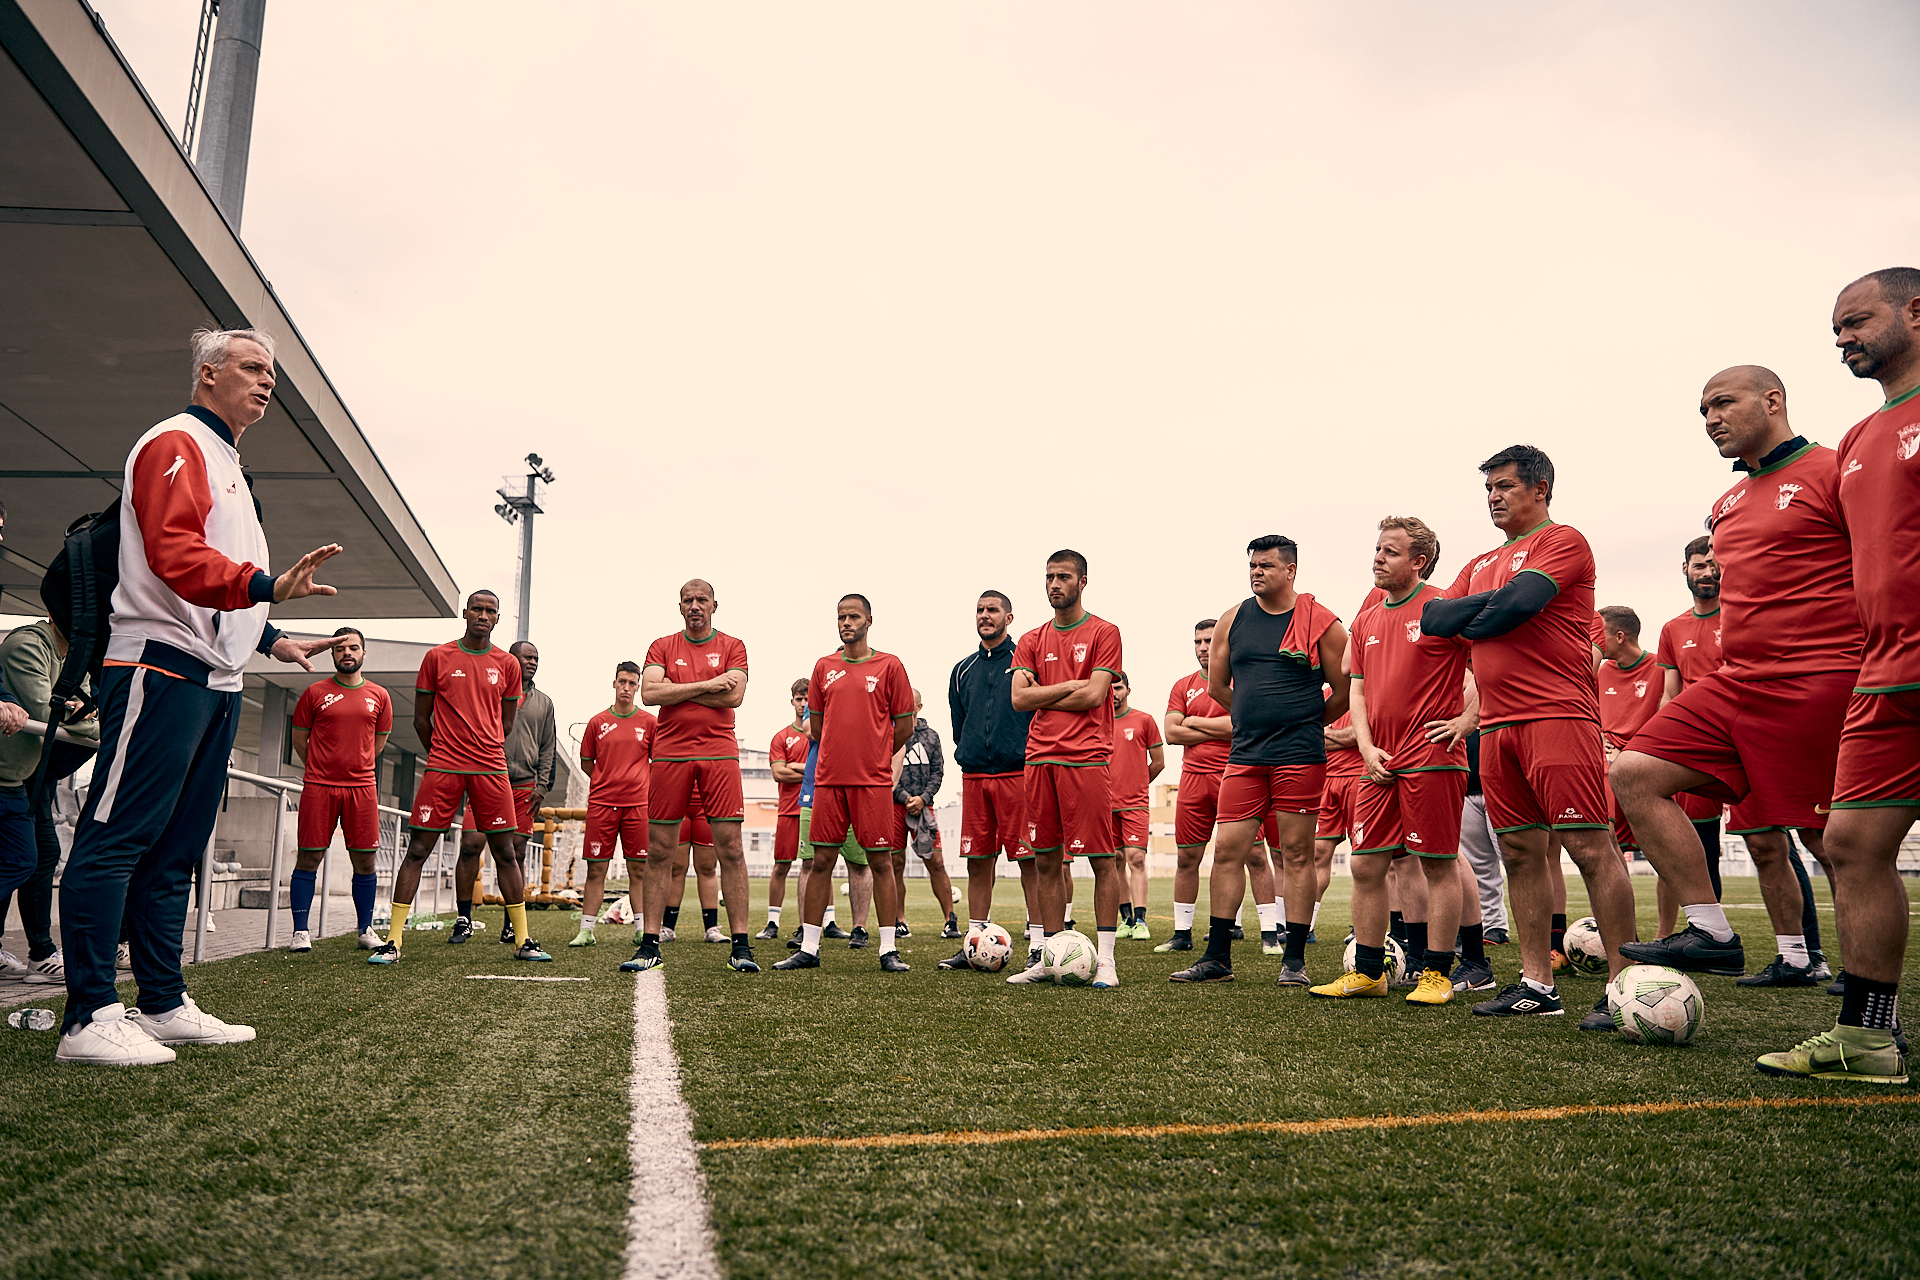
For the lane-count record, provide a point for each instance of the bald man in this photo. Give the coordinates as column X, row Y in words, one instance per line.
column 1763, row 732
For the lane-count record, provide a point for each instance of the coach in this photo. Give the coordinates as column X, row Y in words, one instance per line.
column 189, row 611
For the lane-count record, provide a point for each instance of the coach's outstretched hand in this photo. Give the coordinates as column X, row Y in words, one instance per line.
column 298, row 581
column 287, row 649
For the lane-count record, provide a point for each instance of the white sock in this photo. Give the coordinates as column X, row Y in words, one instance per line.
column 587, row 922
column 1239, row 913
column 976, row 924
column 773, row 915
column 1183, row 917
column 1268, row 920
column 828, row 918
column 1036, row 934
column 810, row 938
column 1541, row 987
column 1793, row 948
column 1106, row 946
column 886, row 939
column 1280, row 906
column 1712, row 917
column 1314, row 922
column 165, row 1017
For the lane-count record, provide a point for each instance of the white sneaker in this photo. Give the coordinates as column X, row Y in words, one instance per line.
column 188, row 1025
column 52, row 969
column 111, row 1039
column 123, row 957
column 302, row 941
column 1106, row 976
column 12, row 966
column 371, row 941
column 1038, row 973
column 714, row 935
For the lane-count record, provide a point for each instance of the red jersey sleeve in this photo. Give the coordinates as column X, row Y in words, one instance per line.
column 512, row 685
column 1153, row 733
column 171, row 502
column 590, row 739
column 816, row 687
column 429, row 678
column 1176, row 697
column 899, row 690
column 736, row 654
column 1106, row 650
column 384, row 724
column 1357, row 647
column 1025, row 656
column 1562, row 556
column 656, row 655
column 1463, row 584
column 303, row 709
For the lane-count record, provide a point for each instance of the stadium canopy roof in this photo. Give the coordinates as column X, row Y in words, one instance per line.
column 112, row 252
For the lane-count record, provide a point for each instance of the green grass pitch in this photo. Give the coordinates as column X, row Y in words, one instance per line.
column 409, row 1122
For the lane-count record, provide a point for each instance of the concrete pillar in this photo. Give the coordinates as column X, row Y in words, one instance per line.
column 273, row 730
column 226, row 127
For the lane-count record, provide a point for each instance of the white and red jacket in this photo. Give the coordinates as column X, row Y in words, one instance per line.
column 194, row 590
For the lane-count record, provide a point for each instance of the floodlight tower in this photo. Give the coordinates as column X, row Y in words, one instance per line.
column 522, row 496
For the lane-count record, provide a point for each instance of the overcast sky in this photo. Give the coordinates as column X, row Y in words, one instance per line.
column 899, row 297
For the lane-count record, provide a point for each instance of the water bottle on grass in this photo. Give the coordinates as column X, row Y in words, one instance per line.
column 31, row 1019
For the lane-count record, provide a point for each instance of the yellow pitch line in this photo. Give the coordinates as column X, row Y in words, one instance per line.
column 994, row 1137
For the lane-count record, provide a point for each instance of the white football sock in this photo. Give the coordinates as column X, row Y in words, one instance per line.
column 1712, row 917
column 1315, row 921
column 773, row 915
column 810, row 938
column 828, row 918
column 976, row 924
column 886, row 939
column 1793, row 948
column 1268, row 920
column 1036, row 934
column 1106, row 946
column 1280, row 906
column 1540, row 987
column 1183, row 917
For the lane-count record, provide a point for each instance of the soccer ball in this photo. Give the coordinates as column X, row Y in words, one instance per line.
column 988, row 948
column 1583, row 947
column 1652, row 1004
column 1396, row 963
column 1071, row 957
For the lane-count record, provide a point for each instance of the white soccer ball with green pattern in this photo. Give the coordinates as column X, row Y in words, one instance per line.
column 1652, row 1004
column 1071, row 957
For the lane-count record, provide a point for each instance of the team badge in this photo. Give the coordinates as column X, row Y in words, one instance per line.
column 1359, row 836
column 1639, row 688
column 373, row 708
column 493, row 675
column 1413, row 632
column 1080, row 653
column 1519, row 558
column 966, row 845
column 426, row 814
column 1788, row 492
column 1909, row 443
column 873, row 682
column 713, row 660
column 1129, row 734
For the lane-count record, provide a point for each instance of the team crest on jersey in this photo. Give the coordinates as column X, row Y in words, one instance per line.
column 1033, row 833
column 426, row 814
column 493, row 675
column 1639, row 688
column 1359, row 836
column 834, row 675
column 1788, row 492
column 966, row 845
column 713, row 660
column 1129, row 734
column 1413, row 631
column 373, row 708
column 1909, row 443
column 639, row 733
column 873, row 682
column 1080, row 653
column 1519, row 558
column 596, row 850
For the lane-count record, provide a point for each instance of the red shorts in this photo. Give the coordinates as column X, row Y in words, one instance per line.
column 1250, row 791
column 1069, row 810
column 522, row 813
column 1130, row 828
column 1545, row 773
column 869, row 810
column 1879, row 764
column 992, row 806
column 697, row 830
column 355, row 810
column 1771, row 745
column 1336, row 808
column 1418, row 813
column 786, row 837
column 1699, row 808
column 437, row 803
column 1196, row 807
column 625, row 822
column 679, row 789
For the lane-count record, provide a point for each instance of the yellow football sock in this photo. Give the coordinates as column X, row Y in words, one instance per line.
column 517, row 912
column 396, row 931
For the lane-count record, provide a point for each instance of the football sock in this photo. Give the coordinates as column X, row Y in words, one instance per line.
column 1557, row 934
column 1106, row 933
column 1545, row 989
column 1035, row 936
column 396, row 932
column 1710, row 917
column 1314, row 922
column 1139, row 915
column 1279, row 907
column 1296, row 956
column 740, row 940
column 1793, row 948
column 1440, row 960
column 1370, row 962
column 587, row 922
column 827, row 919
column 773, row 915
column 466, row 909
column 1220, row 938
column 1126, row 911
column 1183, row 917
column 810, row 938
column 670, row 918
column 364, row 888
column 650, row 940
column 1416, row 941
column 709, row 917
column 1268, row 920
column 886, row 939
column 1866, row 1003
column 1396, row 927
column 300, row 891
column 1473, row 943
column 517, row 912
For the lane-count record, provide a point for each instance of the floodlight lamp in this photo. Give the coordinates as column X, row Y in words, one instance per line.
column 533, row 460
column 507, row 513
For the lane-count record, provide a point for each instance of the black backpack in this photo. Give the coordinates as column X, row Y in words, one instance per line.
column 78, row 592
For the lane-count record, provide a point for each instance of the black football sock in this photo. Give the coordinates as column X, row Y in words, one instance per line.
column 1473, row 944
column 1220, row 938
column 466, row 909
column 1139, row 915
column 670, row 918
column 1126, row 912
column 1296, row 957
column 1441, row 960
column 1416, row 941
column 1866, row 1003
column 1370, row 962
column 650, row 940
column 740, row 941
column 709, row 917
column 1557, row 937
column 1396, row 927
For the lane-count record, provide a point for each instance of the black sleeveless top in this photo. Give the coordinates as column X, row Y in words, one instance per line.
column 1278, row 707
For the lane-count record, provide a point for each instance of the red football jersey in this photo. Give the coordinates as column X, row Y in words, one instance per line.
column 1408, row 680
column 1344, row 762
column 1190, row 698
column 790, row 747
column 1880, row 501
column 1690, row 644
column 1543, row 668
column 621, row 748
column 1055, row 655
column 468, row 689
column 1134, row 735
column 1786, row 570
column 689, row 731
column 342, row 721
column 1628, row 697
column 855, row 704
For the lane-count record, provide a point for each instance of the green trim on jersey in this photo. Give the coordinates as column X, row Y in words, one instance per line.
column 1396, row 604
column 1902, row 399
column 478, row 653
column 1795, row 456
column 1528, row 534
column 1913, row 802
column 1070, row 764
column 1071, row 625
column 1890, row 688
column 628, row 716
column 1714, row 614
column 335, row 677
column 1385, row 848
column 693, row 639
column 852, row 662
column 1644, row 655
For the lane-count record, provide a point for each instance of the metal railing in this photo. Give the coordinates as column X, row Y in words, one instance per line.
column 391, row 849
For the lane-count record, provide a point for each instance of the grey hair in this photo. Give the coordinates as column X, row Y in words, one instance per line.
column 210, row 346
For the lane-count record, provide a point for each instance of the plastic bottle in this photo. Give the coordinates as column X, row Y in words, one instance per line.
column 31, row 1019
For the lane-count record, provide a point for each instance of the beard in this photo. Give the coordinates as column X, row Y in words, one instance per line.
column 1708, row 590
column 1879, row 352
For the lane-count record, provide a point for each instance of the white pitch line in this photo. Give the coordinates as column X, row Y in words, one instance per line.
column 669, row 1236
column 517, row 977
